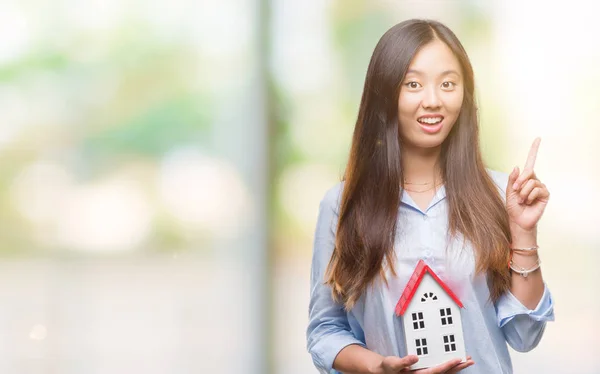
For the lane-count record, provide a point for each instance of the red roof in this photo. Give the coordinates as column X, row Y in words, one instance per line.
column 413, row 284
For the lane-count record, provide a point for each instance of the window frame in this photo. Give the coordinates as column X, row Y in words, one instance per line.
column 428, row 296
column 421, row 347
column 446, row 316
column 449, row 343
column 418, row 320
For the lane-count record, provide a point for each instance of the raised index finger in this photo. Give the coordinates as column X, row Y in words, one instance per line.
column 532, row 154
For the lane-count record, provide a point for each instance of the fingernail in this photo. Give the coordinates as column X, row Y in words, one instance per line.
column 515, row 185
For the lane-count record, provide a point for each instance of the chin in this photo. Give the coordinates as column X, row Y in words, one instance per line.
column 431, row 142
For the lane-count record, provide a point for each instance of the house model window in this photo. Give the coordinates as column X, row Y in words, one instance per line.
column 432, row 324
column 446, row 314
column 418, row 322
column 421, row 345
column 449, row 345
column 428, row 296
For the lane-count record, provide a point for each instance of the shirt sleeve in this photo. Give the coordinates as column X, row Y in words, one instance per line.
column 523, row 327
column 328, row 329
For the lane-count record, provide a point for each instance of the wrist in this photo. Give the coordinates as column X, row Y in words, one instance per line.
column 522, row 237
column 515, row 228
column 524, row 260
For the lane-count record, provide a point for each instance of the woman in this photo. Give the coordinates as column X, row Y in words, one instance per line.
column 415, row 188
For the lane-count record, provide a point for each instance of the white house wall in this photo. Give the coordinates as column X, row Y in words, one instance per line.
column 433, row 330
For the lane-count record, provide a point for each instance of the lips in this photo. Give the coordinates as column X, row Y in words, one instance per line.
column 430, row 119
column 431, row 124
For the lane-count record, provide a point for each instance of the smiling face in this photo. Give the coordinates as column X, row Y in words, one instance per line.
column 431, row 96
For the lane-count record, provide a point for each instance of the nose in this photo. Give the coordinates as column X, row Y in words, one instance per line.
column 431, row 98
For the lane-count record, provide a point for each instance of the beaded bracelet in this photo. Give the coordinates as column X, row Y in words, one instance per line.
column 525, row 272
column 534, row 248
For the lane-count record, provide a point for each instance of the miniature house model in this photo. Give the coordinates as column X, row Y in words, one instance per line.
column 430, row 314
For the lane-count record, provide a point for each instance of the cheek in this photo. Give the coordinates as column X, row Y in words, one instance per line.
column 408, row 105
column 455, row 103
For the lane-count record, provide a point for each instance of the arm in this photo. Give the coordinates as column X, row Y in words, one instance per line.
column 528, row 290
column 355, row 359
column 330, row 340
column 328, row 329
column 524, row 310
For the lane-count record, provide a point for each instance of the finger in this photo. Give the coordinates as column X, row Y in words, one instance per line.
column 527, row 188
column 537, row 193
column 529, row 164
column 461, row 366
column 525, row 175
column 397, row 363
column 533, row 195
column 445, row 366
column 512, row 178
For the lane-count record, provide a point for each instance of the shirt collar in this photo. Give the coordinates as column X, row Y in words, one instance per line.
column 439, row 196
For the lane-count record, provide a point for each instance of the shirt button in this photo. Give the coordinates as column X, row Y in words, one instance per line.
column 424, row 217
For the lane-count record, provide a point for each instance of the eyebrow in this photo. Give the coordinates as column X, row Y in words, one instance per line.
column 445, row 72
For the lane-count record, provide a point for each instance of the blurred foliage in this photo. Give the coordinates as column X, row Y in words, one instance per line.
column 152, row 131
column 121, row 98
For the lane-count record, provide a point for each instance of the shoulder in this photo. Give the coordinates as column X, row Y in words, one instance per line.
column 332, row 198
column 500, row 179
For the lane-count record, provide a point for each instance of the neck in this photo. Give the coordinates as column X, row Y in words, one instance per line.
column 421, row 165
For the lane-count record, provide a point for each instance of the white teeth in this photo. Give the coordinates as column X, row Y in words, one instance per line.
column 430, row 120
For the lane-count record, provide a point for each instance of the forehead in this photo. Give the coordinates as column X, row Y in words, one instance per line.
column 434, row 58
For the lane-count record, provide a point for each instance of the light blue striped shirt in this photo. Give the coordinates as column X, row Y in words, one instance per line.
column 487, row 326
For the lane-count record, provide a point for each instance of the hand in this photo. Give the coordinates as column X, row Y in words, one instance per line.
column 526, row 196
column 393, row 364
column 449, row 367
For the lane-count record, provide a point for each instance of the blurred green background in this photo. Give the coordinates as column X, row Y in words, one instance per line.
column 161, row 166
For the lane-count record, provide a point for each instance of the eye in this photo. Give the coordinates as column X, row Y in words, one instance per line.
column 413, row 85
column 448, row 85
